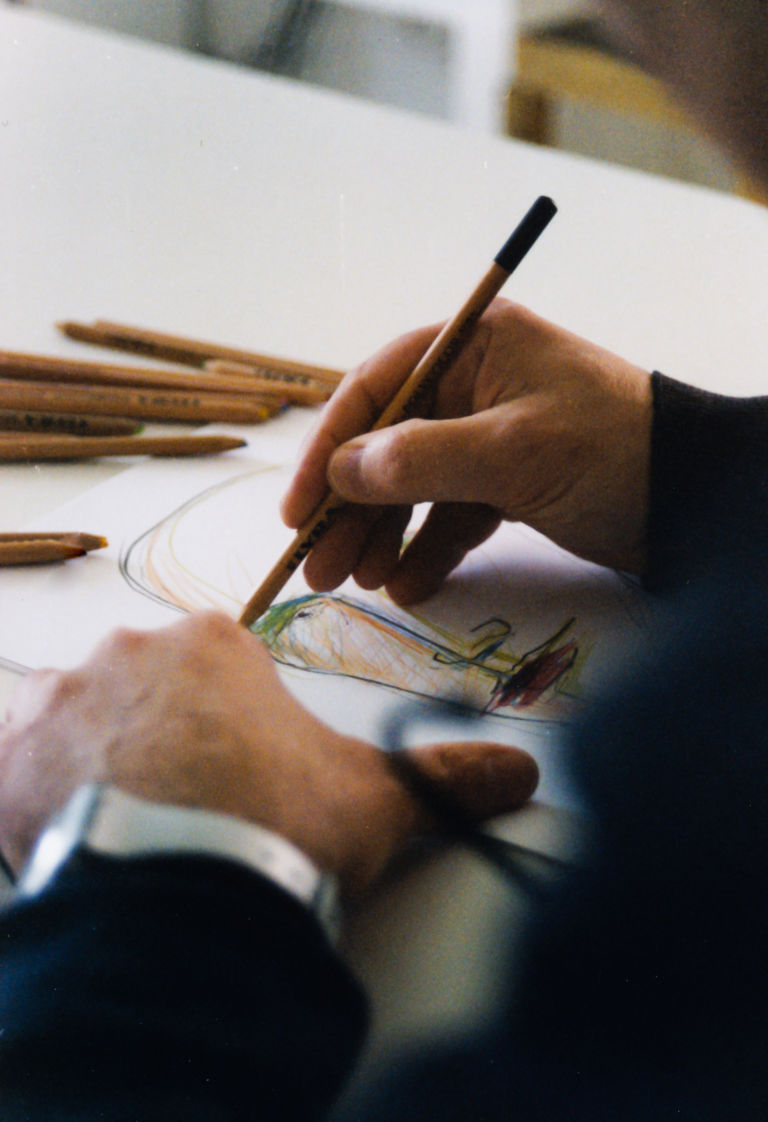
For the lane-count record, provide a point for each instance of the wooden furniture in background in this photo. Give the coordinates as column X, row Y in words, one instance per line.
column 573, row 61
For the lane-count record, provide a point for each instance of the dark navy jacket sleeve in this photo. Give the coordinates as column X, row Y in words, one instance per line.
column 169, row 990
column 641, row 991
column 709, row 483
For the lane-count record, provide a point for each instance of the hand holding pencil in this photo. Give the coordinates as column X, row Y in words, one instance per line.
column 412, row 396
column 532, row 424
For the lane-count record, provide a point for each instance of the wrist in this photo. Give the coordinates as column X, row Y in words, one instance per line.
column 107, row 821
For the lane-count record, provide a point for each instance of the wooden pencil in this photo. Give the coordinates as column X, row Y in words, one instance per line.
column 149, row 404
column 413, row 397
column 177, row 348
column 39, row 552
column 85, row 542
column 26, row 420
column 86, row 447
column 279, row 377
column 266, row 381
column 20, row 365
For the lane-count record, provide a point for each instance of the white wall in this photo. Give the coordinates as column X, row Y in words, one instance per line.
column 386, row 60
column 230, row 25
column 163, row 20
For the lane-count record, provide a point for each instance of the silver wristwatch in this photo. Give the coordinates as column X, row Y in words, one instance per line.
column 104, row 820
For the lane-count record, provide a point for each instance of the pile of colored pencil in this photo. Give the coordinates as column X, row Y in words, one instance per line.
column 58, row 408
column 65, row 409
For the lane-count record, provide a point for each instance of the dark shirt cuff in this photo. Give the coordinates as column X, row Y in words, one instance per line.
column 709, row 483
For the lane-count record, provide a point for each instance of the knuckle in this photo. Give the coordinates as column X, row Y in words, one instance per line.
column 528, row 432
column 52, row 688
column 398, row 466
column 204, row 631
column 125, row 639
column 213, row 634
column 524, row 323
column 206, row 641
column 216, row 625
column 66, row 686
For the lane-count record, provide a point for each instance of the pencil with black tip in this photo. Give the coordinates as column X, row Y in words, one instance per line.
column 415, row 392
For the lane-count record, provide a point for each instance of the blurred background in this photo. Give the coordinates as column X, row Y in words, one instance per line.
column 535, row 69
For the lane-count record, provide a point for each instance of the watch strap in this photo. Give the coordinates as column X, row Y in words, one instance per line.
column 106, row 820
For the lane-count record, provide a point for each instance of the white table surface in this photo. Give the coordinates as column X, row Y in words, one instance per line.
column 143, row 185
column 146, row 185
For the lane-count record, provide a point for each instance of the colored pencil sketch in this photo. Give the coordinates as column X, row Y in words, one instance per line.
column 506, row 642
column 337, row 635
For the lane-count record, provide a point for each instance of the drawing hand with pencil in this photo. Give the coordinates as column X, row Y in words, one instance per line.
column 195, row 715
column 530, row 423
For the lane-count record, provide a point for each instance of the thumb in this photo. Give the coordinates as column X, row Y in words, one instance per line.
column 412, row 792
column 420, row 461
column 460, row 783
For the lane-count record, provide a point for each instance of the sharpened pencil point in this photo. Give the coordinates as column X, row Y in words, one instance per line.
column 414, row 394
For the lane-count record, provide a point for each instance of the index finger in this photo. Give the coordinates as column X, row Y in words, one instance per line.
column 354, row 408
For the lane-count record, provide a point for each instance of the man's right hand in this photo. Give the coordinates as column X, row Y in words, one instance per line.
column 531, row 424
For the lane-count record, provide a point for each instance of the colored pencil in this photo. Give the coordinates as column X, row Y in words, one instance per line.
column 39, row 552
column 148, row 405
column 76, row 538
column 177, row 348
column 86, row 447
column 20, row 365
column 261, row 380
column 26, row 420
column 269, row 374
column 413, row 396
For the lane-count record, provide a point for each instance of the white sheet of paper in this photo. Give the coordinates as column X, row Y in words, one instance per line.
column 523, row 633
